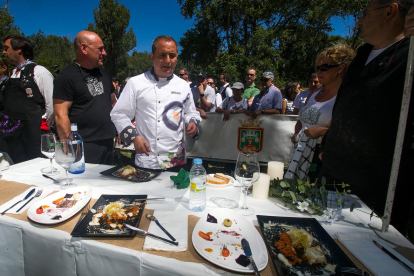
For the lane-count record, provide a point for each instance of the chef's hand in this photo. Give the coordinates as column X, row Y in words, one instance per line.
column 226, row 115
column 191, row 130
column 320, row 156
column 409, row 23
column 141, row 146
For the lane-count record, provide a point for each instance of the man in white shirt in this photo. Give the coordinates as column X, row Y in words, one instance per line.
column 204, row 96
column 160, row 102
column 27, row 96
column 225, row 89
column 300, row 99
column 184, row 75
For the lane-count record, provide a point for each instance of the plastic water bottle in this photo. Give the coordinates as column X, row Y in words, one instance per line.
column 78, row 166
column 198, row 176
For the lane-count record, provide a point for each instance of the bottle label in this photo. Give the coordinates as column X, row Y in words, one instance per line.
column 194, row 189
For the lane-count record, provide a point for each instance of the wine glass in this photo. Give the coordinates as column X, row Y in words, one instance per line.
column 48, row 142
column 65, row 156
column 247, row 172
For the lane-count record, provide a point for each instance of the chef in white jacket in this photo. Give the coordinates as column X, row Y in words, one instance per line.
column 160, row 102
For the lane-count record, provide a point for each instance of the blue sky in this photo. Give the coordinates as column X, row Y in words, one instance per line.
column 148, row 18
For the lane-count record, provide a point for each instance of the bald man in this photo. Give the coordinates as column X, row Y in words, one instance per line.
column 83, row 94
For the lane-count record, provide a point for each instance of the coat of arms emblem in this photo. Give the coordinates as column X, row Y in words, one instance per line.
column 250, row 136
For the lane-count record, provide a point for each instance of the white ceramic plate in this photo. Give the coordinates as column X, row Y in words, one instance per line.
column 65, row 213
column 232, row 182
column 240, row 226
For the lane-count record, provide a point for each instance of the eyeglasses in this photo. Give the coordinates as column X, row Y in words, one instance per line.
column 325, row 67
column 364, row 13
column 250, row 75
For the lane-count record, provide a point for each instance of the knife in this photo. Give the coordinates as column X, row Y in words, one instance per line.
column 26, row 197
column 248, row 253
column 393, row 256
column 142, row 232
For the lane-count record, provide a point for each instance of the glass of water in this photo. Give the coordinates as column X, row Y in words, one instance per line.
column 48, row 142
column 65, row 156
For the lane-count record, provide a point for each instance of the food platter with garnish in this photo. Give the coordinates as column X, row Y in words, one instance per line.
column 132, row 173
column 217, row 238
column 109, row 214
column 300, row 246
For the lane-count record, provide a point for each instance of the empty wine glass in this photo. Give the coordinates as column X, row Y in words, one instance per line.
column 247, row 172
column 65, row 156
column 48, row 142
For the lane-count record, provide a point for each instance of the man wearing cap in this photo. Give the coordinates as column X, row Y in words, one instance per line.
column 160, row 102
column 204, row 96
column 251, row 90
column 269, row 101
column 234, row 104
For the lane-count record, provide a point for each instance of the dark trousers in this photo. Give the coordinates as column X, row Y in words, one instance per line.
column 99, row 152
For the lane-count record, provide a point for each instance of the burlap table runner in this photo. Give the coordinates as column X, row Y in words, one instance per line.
column 9, row 189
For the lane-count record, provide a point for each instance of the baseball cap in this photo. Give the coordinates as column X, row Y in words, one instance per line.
column 201, row 74
column 268, row 75
column 238, row 85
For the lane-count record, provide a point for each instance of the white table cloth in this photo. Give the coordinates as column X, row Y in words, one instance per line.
column 33, row 250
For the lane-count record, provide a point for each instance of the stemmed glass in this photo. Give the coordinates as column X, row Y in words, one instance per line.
column 247, row 172
column 48, row 142
column 65, row 156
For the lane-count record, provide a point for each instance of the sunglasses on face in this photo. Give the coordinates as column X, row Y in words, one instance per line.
column 264, row 80
column 210, row 83
column 250, row 75
column 325, row 67
column 181, row 75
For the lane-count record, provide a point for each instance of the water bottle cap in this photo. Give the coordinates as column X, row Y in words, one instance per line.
column 74, row 127
column 198, row 161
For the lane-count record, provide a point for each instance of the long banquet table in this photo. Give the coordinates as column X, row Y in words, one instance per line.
column 28, row 248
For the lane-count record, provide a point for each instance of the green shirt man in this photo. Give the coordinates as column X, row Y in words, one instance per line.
column 251, row 89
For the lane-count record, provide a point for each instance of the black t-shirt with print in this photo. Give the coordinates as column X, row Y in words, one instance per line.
column 89, row 90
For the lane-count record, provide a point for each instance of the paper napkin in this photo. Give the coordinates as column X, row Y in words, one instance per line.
column 176, row 224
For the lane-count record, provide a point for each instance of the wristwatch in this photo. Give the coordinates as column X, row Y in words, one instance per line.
column 202, row 95
column 263, row 111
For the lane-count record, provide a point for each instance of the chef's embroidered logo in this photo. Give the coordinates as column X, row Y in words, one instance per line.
column 130, row 130
column 29, row 92
column 125, row 135
column 175, row 92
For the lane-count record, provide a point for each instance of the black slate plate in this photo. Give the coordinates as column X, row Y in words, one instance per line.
column 85, row 230
column 271, row 235
column 143, row 175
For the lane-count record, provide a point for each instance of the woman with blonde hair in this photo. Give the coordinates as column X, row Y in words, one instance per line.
column 315, row 116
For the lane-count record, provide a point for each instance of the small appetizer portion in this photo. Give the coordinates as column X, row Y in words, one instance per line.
column 227, row 222
column 127, row 171
column 211, row 219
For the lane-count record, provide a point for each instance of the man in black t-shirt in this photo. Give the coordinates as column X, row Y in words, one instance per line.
column 83, row 94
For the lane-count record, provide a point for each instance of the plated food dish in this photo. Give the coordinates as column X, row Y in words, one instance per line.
column 108, row 215
column 217, row 238
column 132, row 173
column 60, row 206
column 300, row 246
column 220, row 180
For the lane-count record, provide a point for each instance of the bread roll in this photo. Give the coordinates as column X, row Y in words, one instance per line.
column 224, row 177
column 215, row 180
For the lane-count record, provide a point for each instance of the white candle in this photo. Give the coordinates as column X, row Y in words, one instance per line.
column 261, row 187
column 275, row 169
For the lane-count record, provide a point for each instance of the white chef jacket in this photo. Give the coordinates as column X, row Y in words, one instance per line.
column 159, row 106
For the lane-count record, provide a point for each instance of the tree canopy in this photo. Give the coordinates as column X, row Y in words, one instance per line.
column 278, row 35
column 111, row 23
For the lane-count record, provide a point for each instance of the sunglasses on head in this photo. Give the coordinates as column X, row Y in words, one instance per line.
column 325, row 67
column 250, row 75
